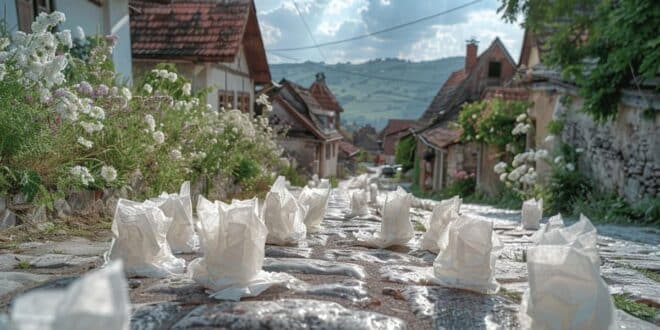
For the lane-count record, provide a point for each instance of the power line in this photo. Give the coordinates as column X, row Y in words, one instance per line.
column 371, row 34
column 309, row 31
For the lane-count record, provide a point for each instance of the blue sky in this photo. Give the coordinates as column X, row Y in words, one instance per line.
column 330, row 20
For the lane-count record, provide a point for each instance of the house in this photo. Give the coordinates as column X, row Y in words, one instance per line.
column 366, row 138
column 215, row 44
column 324, row 96
column 435, row 132
column 390, row 135
column 311, row 137
column 622, row 154
column 95, row 17
column 347, row 159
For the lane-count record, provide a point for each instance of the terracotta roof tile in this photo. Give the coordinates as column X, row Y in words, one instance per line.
column 325, row 97
column 349, row 149
column 441, row 137
column 397, row 125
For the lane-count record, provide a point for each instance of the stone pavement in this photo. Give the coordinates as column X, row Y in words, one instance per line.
column 346, row 286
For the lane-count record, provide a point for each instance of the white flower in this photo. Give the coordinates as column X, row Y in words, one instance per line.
column 550, row 138
column 500, row 167
column 108, row 173
column 159, row 137
column 148, row 88
column 3, row 71
column 541, row 154
column 521, row 117
column 64, row 38
column 97, row 113
column 91, row 127
column 85, row 143
column 503, row 176
column 558, row 159
column 175, row 154
column 579, row 150
column 570, row 167
column 80, row 33
column 83, row 174
column 127, row 93
column 171, row 76
column 151, row 122
column 186, row 89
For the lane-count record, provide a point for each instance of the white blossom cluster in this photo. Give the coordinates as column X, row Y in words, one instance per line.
column 522, row 126
column 108, row 173
column 35, row 55
column 82, row 173
column 164, row 74
column 263, row 100
column 523, row 168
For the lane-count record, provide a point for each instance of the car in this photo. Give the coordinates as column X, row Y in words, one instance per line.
column 388, row 171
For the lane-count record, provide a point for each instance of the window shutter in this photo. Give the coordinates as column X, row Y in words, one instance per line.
column 25, row 9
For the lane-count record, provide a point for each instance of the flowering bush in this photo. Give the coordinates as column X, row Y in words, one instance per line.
column 492, row 121
column 72, row 126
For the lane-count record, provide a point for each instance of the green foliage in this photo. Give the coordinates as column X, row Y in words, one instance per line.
column 334, row 183
column 507, row 198
column 626, row 303
column 294, row 176
column 491, row 121
column 556, row 127
column 405, row 152
column 460, row 187
column 600, row 45
column 565, row 187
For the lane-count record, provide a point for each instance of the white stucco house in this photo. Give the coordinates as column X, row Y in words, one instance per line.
column 215, row 44
column 95, row 17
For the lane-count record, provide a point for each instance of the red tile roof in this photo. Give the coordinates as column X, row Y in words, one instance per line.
column 325, row 97
column 440, row 137
column 397, row 125
column 349, row 149
column 198, row 30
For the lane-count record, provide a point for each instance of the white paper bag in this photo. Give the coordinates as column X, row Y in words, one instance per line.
column 359, row 203
column 359, row 182
column 444, row 212
column 324, row 183
column 181, row 235
column 581, row 235
column 396, row 228
column 565, row 291
column 315, row 200
column 555, row 222
column 139, row 233
column 468, row 261
column 283, row 215
column 98, row 300
column 373, row 193
column 532, row 212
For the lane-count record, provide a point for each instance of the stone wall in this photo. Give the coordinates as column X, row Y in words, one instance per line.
column 622, row 155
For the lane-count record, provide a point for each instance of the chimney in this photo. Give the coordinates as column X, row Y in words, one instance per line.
column 320, row 77
column 470, row 54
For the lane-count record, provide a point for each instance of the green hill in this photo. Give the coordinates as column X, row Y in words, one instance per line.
column 370, row 100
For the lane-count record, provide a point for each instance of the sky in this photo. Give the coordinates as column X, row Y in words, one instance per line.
column 330, row 20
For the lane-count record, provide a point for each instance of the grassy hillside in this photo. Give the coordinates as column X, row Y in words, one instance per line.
column 369, row 100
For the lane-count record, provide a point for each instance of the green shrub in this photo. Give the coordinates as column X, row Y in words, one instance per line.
column 405, row 153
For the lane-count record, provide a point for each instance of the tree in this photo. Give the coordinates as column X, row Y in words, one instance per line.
column 603, row 46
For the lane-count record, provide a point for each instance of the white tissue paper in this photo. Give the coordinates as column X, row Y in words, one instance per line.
column 444, row 212
column 468, row 261
column 181, row 235
column 565, row 291
column 233, row 239
column 283, row 215
column 555, row 222
column 97, row 300
column 396, row 228
column 532, row 212
column 139, row 239
column 315, row 200
column 373, row 193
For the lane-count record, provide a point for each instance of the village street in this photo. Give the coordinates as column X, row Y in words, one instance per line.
column 343, row 286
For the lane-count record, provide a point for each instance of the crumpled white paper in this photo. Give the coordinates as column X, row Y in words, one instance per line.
column 181, row 235
column 359, row 182
column 139, row 239
column 324, row 183
column 283, row 215
column 565, row 291
column 233, row 239
column 468, row 261
column 396, row 228
column 97, row 300
column 444, row 212
column 359, row 203
column 532, row 212
column 315, row 200
column 582, row 235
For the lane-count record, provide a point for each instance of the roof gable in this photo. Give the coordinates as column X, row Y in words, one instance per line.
column 198, row 31
column 324, row 96
column 397, row 125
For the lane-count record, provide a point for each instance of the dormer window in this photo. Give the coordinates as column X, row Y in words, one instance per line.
column 494, row 69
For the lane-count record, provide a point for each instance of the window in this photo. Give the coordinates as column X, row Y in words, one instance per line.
column 225, row 99
column 494, row 69
column 243, row 102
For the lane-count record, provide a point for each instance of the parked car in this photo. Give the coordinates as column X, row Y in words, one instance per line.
column 388, row 171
